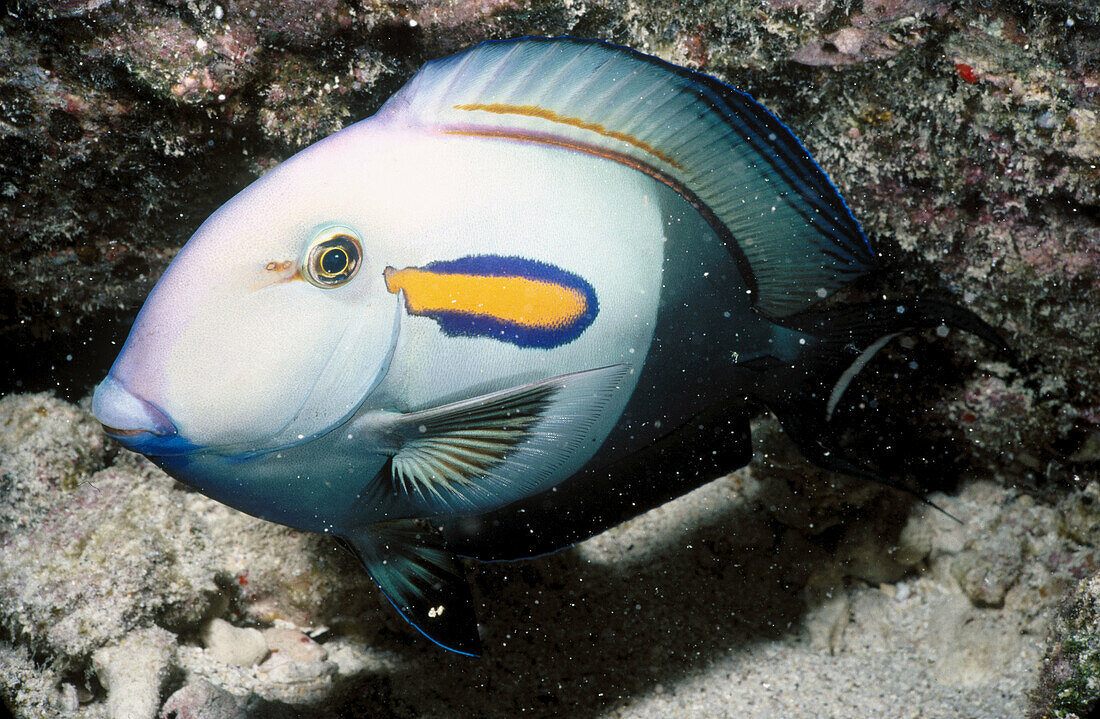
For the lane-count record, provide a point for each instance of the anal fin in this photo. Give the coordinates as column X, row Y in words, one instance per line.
column 423, row 580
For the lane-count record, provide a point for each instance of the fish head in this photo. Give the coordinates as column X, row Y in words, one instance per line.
column 270, row 326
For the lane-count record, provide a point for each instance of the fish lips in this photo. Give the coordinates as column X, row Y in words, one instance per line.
column 135, row 423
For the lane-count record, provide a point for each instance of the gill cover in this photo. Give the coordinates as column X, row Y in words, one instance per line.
column 274, row 321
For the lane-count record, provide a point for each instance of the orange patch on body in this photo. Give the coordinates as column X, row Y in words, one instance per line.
column 517, row 300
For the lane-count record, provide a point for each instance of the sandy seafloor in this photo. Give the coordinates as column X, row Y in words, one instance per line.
column 729, row 601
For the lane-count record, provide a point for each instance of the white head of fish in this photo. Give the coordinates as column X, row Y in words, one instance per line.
column 273, row 322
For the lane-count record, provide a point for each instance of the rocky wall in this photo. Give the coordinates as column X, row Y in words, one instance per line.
column 964, row 135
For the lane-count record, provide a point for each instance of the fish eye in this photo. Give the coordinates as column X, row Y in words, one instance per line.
column 334, row 258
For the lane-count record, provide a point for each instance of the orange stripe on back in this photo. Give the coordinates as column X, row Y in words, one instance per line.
column 551, row 116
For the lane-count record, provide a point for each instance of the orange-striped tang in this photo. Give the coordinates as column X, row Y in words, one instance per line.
column 543, row 289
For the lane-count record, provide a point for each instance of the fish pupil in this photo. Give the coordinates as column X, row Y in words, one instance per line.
column 334, row 261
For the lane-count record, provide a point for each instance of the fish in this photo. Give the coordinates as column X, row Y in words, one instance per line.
column 542, row 290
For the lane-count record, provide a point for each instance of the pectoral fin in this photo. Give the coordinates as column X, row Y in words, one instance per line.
column 423, row 581
column 487, row 451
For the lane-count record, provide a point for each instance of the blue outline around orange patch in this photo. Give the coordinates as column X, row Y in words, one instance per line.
column 489, row 309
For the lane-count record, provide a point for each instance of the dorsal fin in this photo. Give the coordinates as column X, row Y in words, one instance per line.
column 720, row 149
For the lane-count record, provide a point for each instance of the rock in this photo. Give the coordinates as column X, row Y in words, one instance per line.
column 82, row 562
column 293, row 644
column 28, row 690
column 1089, row 449
column 1080, row 514
column 93, row 553
column 296, row 681
column 980, row 645
column 992, row 559
column 866, row 556
column 243, row 646
column 798, row 494
column 47, row 446
column 985, row 576
column 1069, row 685
column 298, row 670
column 69, row 698
column 133, row 672
column 202, row 700
column 915, row 542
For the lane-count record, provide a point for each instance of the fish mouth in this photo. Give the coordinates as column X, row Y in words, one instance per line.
column 136, row 423
column 151, row 444
column 123, row 433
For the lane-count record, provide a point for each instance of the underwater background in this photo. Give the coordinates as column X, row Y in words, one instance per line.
column 964, row 135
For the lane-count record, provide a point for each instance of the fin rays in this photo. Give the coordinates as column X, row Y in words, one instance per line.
column 421, row 579
column 484, row 452
column 724, row 152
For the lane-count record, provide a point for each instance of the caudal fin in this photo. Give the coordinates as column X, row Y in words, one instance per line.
column 841, row 341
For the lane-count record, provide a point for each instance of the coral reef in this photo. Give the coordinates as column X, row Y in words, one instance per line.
column 1069, row 686
column 103, row 554
column 966, row 138
column 122, row 594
